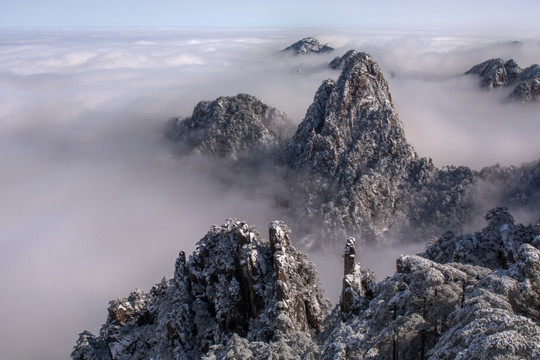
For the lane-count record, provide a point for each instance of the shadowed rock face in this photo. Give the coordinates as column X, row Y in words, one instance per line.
column 498, row 73
column 435, row 308
column 240, row 297
column 235, row 287
column 339, row 62
column 360, row 172
column 307, row 46
column 230, row 127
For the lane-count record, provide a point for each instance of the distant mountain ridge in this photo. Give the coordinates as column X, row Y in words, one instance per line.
column 498, row 73
column 308, row 45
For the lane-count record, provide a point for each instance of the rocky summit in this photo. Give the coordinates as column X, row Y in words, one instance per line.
column 359, row 171
column 348, row 170
column 467, row 297
column 230, row 127
column 239, row 296
column 339, row 62
column 308, row 45
column 498, row 73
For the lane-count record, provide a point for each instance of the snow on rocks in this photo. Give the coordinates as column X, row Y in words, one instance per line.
column 498, row 73
column 233, row 290
column 230, row 127
column 308, row 45
column 241, row 297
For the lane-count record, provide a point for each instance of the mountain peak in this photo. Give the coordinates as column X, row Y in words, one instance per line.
column 498, row 73
column 351, row 126
column 230, row 126
column 308, row 45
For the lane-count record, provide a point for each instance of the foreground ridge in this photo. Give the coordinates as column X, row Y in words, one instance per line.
column 236, row 294
column 241, row 297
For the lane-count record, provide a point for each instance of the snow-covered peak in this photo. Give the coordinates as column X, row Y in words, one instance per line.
column 307, row 46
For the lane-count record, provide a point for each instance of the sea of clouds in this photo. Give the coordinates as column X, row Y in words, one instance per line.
column 95, row 204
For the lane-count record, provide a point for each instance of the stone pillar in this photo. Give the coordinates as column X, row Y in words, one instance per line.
column 279, row 242
column 350, row 256
column 180, row 268
column 350, row 288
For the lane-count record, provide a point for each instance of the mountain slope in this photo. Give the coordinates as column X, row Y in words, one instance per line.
column 240, row 297
column 230, row 127
column 236, row 291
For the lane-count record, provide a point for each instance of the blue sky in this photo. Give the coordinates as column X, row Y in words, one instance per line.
column 383, row 14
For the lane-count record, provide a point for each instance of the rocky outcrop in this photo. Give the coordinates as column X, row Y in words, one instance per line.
column 496, row 247
column 230, row 127
column 349, row 170
column 339, row 62
column 361, row 173
column 358, row 283
column 526, row 91
column 498, row 73
column 241, row 297
column 447, row 310
column 236, row 292
column 308, row 45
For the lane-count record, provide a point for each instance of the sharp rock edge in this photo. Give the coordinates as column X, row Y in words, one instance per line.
column 241, row 297
column 498, row 73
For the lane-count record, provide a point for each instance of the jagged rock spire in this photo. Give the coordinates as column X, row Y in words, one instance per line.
column 358, row 283
column 351, row 126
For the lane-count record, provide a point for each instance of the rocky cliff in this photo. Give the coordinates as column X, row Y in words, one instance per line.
column 237, row 296
column 231, row 127
column 498, row 73
column 471, row 296
column 308, row 45
column 241, row 297
column 348, row 170
column 360, row 173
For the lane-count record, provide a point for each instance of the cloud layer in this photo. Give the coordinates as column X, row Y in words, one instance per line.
column 93, row 203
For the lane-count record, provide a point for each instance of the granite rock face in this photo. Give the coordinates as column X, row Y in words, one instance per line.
column 236, row 294
column 498, row 73
column 308, row 45
column 348, row 170
column 339, row 62
column 434, row 308
column 360, row 173
column 241, row 297
column 230, row 127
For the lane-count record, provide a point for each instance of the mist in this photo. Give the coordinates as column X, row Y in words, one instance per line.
column 94, row 202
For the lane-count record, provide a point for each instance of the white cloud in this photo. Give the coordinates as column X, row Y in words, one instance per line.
column 94, row 206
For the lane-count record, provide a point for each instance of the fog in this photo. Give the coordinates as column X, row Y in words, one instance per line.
column 94, row 204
